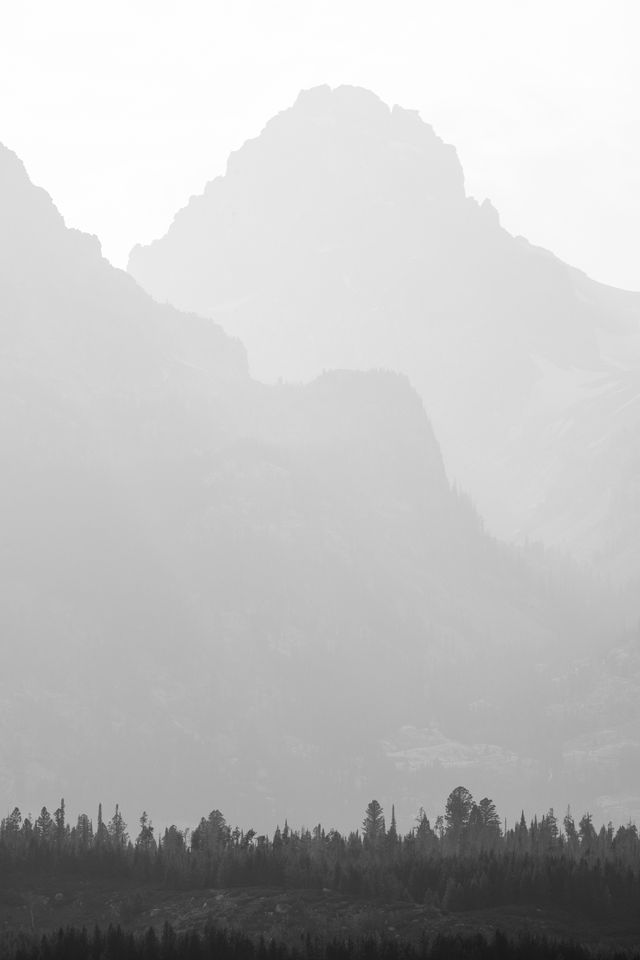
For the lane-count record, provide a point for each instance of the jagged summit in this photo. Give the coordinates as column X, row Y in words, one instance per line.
column 64, row 305
column 31, row 220
column 344, row 98
column 302, row 188
column 321, row 117
column 13, row 173
column 341, row 236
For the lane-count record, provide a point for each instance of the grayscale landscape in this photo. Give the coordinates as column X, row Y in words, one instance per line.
column 333, row 494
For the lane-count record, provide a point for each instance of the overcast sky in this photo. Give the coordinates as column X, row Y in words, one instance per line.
column 123, row 109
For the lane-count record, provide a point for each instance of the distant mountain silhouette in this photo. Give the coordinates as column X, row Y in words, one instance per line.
column 342, row 236
column 263, row 598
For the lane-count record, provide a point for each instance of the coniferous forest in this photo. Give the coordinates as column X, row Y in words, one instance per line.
column 115, row 942
column 464, row 861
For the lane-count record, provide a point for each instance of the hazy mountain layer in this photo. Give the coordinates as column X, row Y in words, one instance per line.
column 264, row 599
column 342, row 236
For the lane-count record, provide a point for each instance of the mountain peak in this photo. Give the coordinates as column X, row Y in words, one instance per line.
column 32, row 226
column 306, row 184
column 11, row 166
column 16, row 188
column 66, row 307
column 353, row 124
column 346, row 99
column 342, row 237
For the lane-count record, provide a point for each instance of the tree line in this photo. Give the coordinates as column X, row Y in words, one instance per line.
column 464, row 860
column 212, row 942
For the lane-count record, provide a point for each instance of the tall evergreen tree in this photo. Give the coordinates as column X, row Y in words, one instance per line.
column 373, row 826
column 456, row 815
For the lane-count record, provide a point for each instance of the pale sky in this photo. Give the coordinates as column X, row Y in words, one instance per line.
column 123, row 109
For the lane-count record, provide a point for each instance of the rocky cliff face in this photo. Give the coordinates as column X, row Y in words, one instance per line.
column 342, row 236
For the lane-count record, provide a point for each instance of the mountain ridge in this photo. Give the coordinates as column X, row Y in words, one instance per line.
column 342, row 236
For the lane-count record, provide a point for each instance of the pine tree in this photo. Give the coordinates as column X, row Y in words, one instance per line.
column 84, row 832
column 117, row 830
column 457, row 812
column 60, row 824
column 145, row 840
column 102, row 835
column 44, row 825
column 425, row 836
column 392, row 834
column 373, row 826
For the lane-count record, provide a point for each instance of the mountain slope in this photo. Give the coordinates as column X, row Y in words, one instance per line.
column 216, row 592
column 342, row 236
